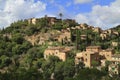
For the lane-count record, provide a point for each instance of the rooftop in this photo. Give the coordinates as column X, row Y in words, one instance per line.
column 116, row 55
column 91, row 52
column 93, row 47
column 61, row 49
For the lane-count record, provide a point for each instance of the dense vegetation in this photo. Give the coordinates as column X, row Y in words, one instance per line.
column 20, row 60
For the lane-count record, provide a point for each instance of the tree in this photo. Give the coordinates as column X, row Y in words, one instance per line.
column 58, row 73
column 64, row 70
column 78, row 39
column 79, row 66
column 60, row 15
column 18, row 38
column 5, row 61
column 48, row 66
column 89, row 74
column 95, row 63
column 69, row 69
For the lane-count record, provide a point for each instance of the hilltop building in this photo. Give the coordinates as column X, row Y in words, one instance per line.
column 32, row 21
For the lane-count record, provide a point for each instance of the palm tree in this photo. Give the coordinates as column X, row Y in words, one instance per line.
column 60, row 15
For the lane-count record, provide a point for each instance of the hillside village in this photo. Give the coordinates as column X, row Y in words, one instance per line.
column 65, row 33
column 92, row 54
column 62, row 38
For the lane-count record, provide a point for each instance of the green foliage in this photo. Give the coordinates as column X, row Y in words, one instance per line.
column 18, row 38
column 95, row 63
column 5, row 61
column 89, row 74
column 22, row 74
column 19, row 60
column 57, row 26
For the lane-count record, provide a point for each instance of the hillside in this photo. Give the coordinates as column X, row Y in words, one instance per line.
column 23, row 43
column 117, row 28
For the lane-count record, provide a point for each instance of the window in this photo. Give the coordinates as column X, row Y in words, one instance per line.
column 56, row 52
column 86, row 59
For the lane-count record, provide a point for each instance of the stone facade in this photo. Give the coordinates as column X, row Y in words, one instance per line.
column 93, row 53
column 93, row 48
column 32, row 21
column 60, row 52
column 106, row 54
column 97, row 29
column 114, row 44
column 65, row 36
column 114, row 66
column 116, row 57
column 103, row 36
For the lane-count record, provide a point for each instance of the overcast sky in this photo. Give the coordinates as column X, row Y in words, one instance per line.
column 99, row 13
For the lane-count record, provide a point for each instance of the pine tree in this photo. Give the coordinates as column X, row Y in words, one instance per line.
column 77, row 38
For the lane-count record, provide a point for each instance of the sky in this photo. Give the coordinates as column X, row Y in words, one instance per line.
column 98, row 13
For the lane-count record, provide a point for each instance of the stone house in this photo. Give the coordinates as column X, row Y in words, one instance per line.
column 106, row 54
column 31, row 39
column 84, row 26
column 77, row 27
column 93, row 48
column 110, row 31
column 38, row 39
column 105, row 32
column 65, row 36
column 103, row 36
column 114, row 44
column 96, row 29
column 93, row 53
column 32, row 21
column 116, row 33
column 87, row 57
column 114, row 66
column 51, row 20
column 73, row 28
column 79, row 57
column 41, row 41
column 61, row 52
column 83, row 37
column 115, row 57
column 90, row 27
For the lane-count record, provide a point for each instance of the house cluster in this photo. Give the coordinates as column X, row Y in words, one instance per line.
column 94, row 55
column 38, row 39
column 50, row 20
column 107, row 33
column 84, row 26
column 104, row 34
column 64, row 34
column 42, row 38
